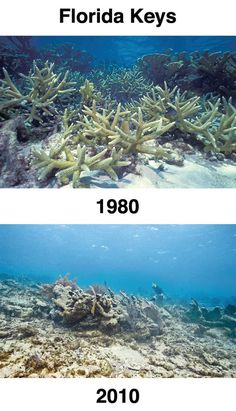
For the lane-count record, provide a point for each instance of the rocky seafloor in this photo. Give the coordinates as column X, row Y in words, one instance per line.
column 60, row 330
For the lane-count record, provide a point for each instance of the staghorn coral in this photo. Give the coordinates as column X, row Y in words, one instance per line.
column 129, row 133
column 137, row 140
column 169, row 105
column 155, row 104
column 121, row 84
column 162, row 112
column 164, row 124
column 216, row 130
column 68, row 165
column 67, row 158
column 212, row 123
column 44, row 87
column 88, row 93
column 98, row 125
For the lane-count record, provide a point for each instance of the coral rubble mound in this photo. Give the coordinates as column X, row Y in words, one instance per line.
column 102, row 309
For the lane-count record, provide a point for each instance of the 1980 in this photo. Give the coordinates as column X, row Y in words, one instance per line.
column 121, row 206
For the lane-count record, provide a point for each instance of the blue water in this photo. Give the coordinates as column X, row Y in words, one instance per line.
column 124, row 50
column 185, row 260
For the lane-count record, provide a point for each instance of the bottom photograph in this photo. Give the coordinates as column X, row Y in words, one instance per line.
column 117, row 301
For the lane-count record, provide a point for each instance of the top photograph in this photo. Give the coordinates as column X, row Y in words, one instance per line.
column 117, row 112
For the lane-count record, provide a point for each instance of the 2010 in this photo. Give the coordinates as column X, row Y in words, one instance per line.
column 121, row 206
column 112, row 396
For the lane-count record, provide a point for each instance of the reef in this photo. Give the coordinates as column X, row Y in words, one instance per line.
column 63, row 330
column 120, row 127
column 197, row 72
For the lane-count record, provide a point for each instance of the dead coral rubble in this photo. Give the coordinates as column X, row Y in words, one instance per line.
column 147, row 341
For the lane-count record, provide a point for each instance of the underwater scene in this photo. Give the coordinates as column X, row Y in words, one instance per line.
column 118, row 112
column 117, row 301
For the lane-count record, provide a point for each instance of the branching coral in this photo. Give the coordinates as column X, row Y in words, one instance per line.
column 117, row 130
column 131, row 133
column 98, row 125
column 155, row 104
column 121, row 84
column 216, row 130
column 97, row 133
column 44, row 87
column 68, row 165
column 136, row 140
column 88, row 93
column 165, row 111
column 169, row 104
column 212, row 123
column 72, row 153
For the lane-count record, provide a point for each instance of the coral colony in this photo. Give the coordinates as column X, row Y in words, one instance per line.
column 110, row 334
column 64, row 122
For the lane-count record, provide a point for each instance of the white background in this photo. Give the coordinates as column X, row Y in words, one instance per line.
column 156, row 206
column 155, row 394
column 199, row 17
